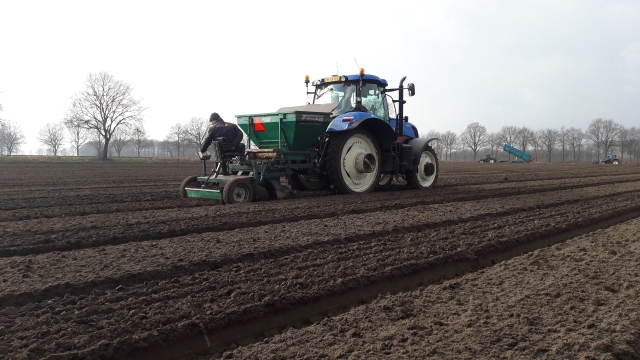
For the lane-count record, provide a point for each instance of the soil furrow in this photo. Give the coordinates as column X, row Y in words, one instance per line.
column 302, row 279
column 288, row 262
column 151, row 225
column 104, row 268
column 578, row 299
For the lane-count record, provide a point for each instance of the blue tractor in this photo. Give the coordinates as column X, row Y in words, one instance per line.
column 611, row 159
column 344, row 138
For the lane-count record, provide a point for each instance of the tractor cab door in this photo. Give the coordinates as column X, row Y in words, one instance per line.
column 375, row 101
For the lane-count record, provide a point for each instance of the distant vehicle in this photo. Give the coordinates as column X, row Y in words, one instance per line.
column 488, row 159
column 611, row 159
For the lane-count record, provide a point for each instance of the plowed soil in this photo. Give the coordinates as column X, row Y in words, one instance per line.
column 106, row 261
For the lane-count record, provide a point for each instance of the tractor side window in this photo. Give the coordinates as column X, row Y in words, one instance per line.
column 373, row 100
column 392, row 107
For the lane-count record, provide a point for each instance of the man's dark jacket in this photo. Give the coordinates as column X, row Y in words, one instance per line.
column 230, row 132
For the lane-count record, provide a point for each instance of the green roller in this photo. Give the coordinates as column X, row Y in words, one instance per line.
column 214, row 194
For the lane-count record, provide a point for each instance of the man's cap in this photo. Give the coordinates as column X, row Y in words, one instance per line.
column 214, row 116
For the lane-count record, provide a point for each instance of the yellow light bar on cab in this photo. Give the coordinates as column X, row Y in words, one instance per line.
column 361, row 71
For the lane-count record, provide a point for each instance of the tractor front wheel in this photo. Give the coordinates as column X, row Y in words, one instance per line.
column 237, row 191
column 385, row 180
column 353, row 161
column 425, row 174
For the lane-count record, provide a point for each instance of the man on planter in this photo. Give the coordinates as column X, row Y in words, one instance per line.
column 228, row 133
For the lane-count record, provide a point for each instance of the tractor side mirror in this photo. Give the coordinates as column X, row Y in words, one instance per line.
column 412, row 89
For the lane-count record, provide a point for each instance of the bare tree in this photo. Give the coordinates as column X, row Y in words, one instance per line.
column 548, row 138
column 139, row 138
column 634, row 144
column 448, row 141
column 165, row 149
column 474, row 137
column 12, row 138
column 509, row 135
column 576, row 140
column 610, row 133
column 120, row 139
column 195, row 131
column 105, row 105
column 176, row 137
column 3, row 129
column 52, row 135
column 603, row 133
column 594, row 133
column 629, row 139
column 496, row 142
column 563, row 140
column 78, row 133
column 97, row 144
column 525, row 137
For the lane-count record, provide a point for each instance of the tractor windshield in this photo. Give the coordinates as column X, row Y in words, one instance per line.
column 343, row 95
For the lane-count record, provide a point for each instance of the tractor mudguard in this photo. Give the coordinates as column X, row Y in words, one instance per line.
column 418, row 146
column 352, row 120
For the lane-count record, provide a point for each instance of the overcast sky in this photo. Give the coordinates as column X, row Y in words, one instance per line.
column 535, row 63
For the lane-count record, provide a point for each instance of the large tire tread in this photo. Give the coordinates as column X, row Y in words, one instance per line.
column 334, row 161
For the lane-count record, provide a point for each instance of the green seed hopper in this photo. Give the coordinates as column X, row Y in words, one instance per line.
column 288, row 129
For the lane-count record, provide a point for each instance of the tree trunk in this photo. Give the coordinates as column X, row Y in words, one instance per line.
column 103, row 156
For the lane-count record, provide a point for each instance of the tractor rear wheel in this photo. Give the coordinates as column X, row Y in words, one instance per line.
column 425, row 174
column 190, row 181
column 353, row 161
column 237, row 191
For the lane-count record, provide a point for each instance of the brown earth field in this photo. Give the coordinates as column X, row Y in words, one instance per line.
column 104, row 260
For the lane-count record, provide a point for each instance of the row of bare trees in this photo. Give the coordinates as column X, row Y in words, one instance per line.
column 73, row 132
column 189, row 135
column 106, row 116
column 566, row 144
column 11, row 136
column 181, row 137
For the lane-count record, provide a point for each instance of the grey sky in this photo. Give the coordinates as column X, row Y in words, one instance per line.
column 534, row 63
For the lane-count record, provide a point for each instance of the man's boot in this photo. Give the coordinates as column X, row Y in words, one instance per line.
column 223, row 169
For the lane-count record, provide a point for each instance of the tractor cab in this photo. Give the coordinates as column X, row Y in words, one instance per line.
column 354, row 98
column 351, row 93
